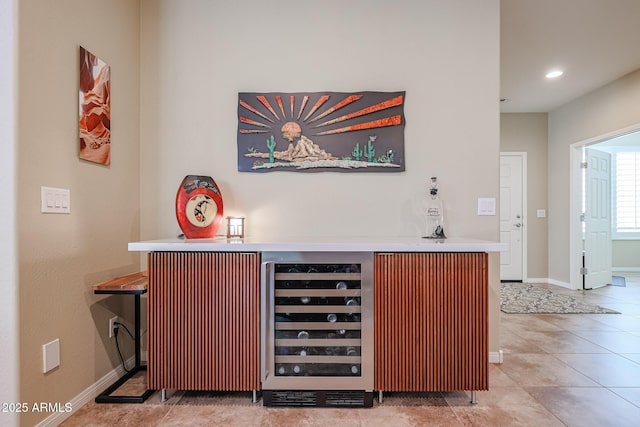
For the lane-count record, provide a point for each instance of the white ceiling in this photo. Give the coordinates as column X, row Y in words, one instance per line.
column 593, row 41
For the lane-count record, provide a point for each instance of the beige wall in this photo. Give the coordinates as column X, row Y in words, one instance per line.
column 195, row 60
column 527, row 132
column 612, row 107
column 10, row 355
column 61, row 256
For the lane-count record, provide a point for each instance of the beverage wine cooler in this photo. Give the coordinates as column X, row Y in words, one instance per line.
column 317, row 329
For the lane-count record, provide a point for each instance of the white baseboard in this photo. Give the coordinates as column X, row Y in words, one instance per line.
column 496, row 356
column 632, row 270
column 87, row 395
column 549, row 281
column 559, row 283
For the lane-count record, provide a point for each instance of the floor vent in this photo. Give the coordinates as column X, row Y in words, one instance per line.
column 318, row 398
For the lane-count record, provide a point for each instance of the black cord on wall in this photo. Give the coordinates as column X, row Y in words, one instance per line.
column 116, row 329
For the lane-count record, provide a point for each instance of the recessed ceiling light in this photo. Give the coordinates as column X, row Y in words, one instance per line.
column 554, row 74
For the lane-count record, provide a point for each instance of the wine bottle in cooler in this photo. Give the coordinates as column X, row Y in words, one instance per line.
column 352, row 302
column 331, row 350
column 305, row 299
column 310, row 270
column 353, row 268
column 282, row 351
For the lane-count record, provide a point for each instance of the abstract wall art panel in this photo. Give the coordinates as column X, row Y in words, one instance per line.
column 321, row 131
column 95, row 109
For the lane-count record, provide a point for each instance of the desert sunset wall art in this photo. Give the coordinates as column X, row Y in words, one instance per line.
column 321, row 131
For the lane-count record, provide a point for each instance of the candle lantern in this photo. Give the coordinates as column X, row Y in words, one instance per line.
column 235, row 227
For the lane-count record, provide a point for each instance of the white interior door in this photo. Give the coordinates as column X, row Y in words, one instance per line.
column 512, row 216
column 597, row 216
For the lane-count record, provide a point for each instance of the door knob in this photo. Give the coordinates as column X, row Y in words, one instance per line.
column 517, row 225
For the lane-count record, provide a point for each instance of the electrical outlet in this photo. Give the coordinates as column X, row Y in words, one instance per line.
column 112, row 322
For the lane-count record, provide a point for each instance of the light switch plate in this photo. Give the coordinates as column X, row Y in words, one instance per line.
column 541, row 213
column 55, row 200
column 486, row 206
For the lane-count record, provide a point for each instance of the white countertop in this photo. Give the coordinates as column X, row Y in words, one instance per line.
column 319, row 244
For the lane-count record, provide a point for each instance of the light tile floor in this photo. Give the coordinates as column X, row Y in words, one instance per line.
column 574, row 370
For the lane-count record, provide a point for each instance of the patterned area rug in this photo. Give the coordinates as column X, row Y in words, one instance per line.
column 525, row 298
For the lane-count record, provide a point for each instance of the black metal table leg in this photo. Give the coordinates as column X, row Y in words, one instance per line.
column 105, row 396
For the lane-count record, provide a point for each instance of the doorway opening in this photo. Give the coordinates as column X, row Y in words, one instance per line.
column 593, row 230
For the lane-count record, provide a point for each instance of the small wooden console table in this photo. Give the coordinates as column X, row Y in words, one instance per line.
column 132, row 284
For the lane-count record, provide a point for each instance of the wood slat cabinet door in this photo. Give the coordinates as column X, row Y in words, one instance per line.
column 431, row 321
column 204, row 321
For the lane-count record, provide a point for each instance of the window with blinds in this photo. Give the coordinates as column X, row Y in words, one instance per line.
column 626, row 194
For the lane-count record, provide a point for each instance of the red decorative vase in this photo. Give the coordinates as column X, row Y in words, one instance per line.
column 199, row 207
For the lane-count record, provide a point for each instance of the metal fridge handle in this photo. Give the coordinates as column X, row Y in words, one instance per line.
column 266, row 280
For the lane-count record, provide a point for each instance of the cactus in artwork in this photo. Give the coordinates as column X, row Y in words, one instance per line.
column 387, row 157
column 357, row 152
column 271, row 145
column 369, row 151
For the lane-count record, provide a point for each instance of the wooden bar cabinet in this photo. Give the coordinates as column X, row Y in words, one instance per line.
column 204, row 321
column 431, row 321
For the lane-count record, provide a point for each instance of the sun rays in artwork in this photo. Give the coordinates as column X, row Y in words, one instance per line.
column 392, row 120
